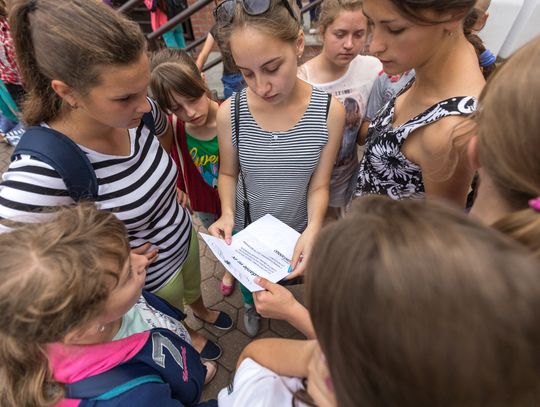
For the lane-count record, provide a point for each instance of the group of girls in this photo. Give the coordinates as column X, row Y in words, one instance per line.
column 382, row 285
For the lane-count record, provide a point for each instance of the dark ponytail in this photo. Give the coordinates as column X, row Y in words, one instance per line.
column 485, row 58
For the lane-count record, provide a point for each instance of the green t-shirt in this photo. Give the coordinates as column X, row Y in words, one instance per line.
column 205, row 156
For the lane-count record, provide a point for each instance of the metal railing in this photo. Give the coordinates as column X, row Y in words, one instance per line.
column 184, row 16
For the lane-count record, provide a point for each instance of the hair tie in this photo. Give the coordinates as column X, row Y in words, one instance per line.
column 487, row 58
column 534, row 204
column 31, row 5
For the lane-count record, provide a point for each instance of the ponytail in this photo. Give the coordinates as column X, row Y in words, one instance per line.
column 486, row 59
column 522, row 226
column 42, row 103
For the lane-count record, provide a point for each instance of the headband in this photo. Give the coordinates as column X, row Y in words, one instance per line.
column 487, row 58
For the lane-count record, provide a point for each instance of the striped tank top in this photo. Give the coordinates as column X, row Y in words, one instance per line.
column 278, row 165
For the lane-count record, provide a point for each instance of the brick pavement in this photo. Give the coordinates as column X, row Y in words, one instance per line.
column 232, row 341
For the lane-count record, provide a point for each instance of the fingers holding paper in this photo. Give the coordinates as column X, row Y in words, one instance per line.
column 222, row 228
column 302, row 251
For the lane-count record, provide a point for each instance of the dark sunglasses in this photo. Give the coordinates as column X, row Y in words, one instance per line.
column 224, row 12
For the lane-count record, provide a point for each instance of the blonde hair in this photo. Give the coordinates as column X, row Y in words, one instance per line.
column 70, row 40
column 55, row 276
column 508, row 138
column 174, row 71
column 414, row 304
column 276, row 22
column 330, row 9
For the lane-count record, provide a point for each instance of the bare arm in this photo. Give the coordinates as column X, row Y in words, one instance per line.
column 286, row 357
column 318, row 192
column 228, row 174
column 362, row 133
column 205, row 51
column 277, row 302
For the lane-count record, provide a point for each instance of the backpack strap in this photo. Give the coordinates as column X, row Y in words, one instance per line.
column 65, row 156
column 110, row 384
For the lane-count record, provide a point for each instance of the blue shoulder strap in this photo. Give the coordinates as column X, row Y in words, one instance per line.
column 112, row 383
column 148, row 121
column 52, row 147
column 61, row 153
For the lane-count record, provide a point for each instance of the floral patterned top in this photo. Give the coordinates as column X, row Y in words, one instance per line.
column 384, row 170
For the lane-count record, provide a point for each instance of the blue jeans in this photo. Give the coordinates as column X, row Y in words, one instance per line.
column 232, row 82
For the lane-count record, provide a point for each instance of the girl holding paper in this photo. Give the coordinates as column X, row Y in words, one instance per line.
column 278, row 139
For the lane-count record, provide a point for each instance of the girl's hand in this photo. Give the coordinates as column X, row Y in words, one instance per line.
column 183, row 199
column 146, row 250
column 222, row 228
column 302, row 251
column 275, row 302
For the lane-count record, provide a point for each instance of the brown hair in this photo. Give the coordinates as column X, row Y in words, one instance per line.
column 469, row 24
column 331, row 8
column 173, row 70
column 3, row 8
column 414, row 304
column 459, row 9
column 276, row 22
column 508, row 138
column 53, row 280
column 69, row 40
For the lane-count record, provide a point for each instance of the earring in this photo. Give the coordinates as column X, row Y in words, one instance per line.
column 74, row 106
column 101, row 328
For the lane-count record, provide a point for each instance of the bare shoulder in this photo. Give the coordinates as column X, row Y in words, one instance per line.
column 336, row 111
column 223, row 118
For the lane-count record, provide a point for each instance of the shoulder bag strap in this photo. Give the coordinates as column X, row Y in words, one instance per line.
column 176, row 143
column 247, row 212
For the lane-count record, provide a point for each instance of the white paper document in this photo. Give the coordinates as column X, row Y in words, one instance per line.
column 263, row 249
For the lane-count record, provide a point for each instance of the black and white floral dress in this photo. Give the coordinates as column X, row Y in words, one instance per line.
column 384, row 170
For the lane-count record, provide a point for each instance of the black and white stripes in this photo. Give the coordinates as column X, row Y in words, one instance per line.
column 278, row 165
column 140, row 189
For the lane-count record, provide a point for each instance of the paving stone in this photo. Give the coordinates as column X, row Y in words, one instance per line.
column 191, row 321
column 232, row 343
column 235, row 299
column 210, row 292
column 282, row 328
column 220, row 270
column 207, row 267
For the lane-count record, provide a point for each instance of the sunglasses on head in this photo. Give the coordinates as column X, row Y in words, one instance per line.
column 224, row 12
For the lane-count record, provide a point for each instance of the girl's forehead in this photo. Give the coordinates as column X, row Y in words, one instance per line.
column 255, row 38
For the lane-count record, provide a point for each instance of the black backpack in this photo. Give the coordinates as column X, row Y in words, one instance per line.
column 174, row 7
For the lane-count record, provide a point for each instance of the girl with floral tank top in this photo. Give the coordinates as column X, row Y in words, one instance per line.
column 409, row 151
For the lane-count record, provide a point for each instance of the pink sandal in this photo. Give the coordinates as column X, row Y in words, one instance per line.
column 225, row 289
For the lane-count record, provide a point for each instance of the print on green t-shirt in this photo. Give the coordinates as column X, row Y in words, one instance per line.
column 205, row 156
